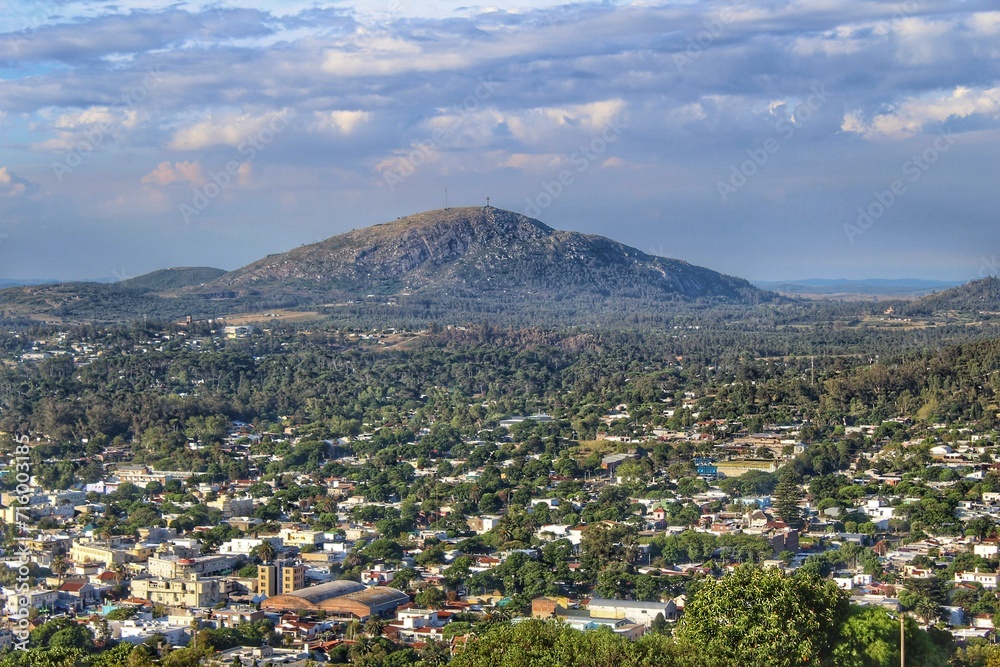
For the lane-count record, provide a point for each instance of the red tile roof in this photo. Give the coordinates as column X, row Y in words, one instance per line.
column 72, row 586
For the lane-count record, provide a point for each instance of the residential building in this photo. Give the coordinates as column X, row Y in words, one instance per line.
column 174, row 567
column 77, row 595
column 96, row 552
column 987, row 580
column 34, row 599
column 231, row 506
column 244, row 546
column 302, row 538
column 193, row 592
column 280, row 578
column 635, row 611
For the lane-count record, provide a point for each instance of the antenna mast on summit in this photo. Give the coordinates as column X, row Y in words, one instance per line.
column 487, row 202
column 446, row 197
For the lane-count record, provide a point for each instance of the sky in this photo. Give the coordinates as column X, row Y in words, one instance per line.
column 765, row 139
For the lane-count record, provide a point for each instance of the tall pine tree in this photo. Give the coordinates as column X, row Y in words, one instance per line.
column 786, row 499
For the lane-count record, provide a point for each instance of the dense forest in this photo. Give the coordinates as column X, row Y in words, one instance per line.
column 147, row 388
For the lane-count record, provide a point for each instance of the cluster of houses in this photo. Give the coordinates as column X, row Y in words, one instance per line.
column 174, row 587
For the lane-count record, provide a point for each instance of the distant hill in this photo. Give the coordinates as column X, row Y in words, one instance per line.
column 865, row 288
column 477, row 253
column 976, row 296
column 456, row 263
column 95, row 302
column 13, row 282
column 172, row 279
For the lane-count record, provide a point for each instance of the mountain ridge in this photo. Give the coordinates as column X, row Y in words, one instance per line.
column 981, row 295
column 463, row 263
column 172, row 278
column 476, row 249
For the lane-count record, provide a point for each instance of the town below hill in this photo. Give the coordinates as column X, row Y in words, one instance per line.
column 205, row 493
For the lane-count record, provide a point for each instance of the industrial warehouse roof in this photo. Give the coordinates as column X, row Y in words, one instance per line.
column 333, row 589
column 340, row 596
column 380, row 595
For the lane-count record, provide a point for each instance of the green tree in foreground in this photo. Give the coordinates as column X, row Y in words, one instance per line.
column 549, row 644
column 759, row 616
column 870, row 638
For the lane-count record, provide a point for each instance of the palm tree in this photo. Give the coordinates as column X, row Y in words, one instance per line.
column 121, row 573
column 60, row 566
column 497, row 614
column 266, row 551
column 362, row 646
column 374, row 627
column 503, row 534
column 433, row 654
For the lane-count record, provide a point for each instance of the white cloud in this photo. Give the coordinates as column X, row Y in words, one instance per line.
column 167, row 173
column 382, row 55
column 230, row 129
column 342, row 122
column 687, row 113
column 924, row 42
column 90, row 116
column 243, row 175
column 11, row 185
column 96, row 126
column 540, row 163
column 540, row 124
column 911, row 116
column 843, row 41
column 985, row 23
column 474, row 129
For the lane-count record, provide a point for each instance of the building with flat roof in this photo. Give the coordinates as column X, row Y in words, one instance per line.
column 174, row 567
column 196, row 592
column 635, row 611
column 280, row 579
column 231, row 506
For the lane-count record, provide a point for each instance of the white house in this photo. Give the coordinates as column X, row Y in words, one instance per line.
column 986, row 548
column 988, row 580
column 243, row 546
column 642, row 613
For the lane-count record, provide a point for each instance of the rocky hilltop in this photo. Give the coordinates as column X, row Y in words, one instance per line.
column 476, row 251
